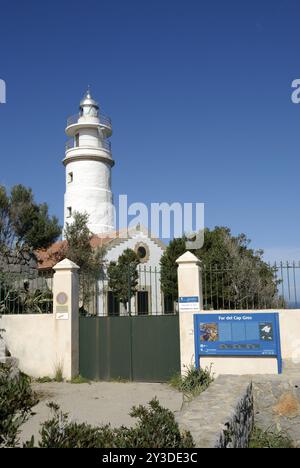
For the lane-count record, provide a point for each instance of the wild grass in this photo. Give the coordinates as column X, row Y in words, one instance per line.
column 269, row 439
column 58, row 375
column 193, row 382
column 79, row 380
column 44, row 379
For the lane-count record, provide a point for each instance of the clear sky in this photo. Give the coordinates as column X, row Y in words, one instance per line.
column 199, row 93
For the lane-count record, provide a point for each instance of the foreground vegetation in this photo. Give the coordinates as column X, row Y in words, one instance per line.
column 16, row 402
column 269, row 439
column 193, row 382
column 155, row 427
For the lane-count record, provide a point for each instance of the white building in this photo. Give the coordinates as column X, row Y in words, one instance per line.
column 88, row 163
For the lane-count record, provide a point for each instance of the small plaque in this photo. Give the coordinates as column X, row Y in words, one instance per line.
column 61, row 298
column 62, row 316
column 62, row 309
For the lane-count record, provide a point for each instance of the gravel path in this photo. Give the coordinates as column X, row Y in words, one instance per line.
column 98, row 402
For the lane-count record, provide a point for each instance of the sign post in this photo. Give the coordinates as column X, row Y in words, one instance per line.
column 237, row 335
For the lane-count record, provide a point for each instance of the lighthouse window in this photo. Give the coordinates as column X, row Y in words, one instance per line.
column 69, row 212
column 70, row 177
column 77, row 139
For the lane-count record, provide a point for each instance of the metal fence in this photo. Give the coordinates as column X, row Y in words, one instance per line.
column 274, row 286
column 145, row 298
column 21, row 294
column 104, row 120
column 266, row 286
column 105, row 145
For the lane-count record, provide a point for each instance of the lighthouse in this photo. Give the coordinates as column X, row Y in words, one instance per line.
column 88, row 163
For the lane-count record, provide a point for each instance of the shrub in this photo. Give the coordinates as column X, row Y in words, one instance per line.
column 194, row 381
column 79, row 380
column 45, row 379
column 269, row 439
column 16, row 401
column 156, row 428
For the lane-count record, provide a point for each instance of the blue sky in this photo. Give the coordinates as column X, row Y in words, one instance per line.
column 199, row 93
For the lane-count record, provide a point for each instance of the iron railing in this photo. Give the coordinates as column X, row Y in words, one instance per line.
column 224, row 288
column 147, row 298
column 23, row 294
column 264, row 287
column 105, row 145
column 105, row 121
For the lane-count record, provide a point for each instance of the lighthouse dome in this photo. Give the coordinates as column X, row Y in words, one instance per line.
column 88, row 100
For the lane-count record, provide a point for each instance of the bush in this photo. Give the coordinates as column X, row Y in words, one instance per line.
column 269, row 439
column 194, row 382
column 156, row 428
column 16, row 401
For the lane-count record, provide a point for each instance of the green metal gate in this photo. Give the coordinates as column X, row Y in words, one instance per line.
column 138, row 348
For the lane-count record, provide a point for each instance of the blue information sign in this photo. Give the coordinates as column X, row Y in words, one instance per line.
column 237, row 335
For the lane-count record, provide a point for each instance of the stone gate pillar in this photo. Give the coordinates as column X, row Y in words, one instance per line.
column 190, row 294
column 66, row 318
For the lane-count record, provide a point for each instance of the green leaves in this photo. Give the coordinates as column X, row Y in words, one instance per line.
column 24, row 222
column 16, row 401
column 155, row 428
column 123, row 276
column 79, row 249
column 234, row 275
column 193, row 382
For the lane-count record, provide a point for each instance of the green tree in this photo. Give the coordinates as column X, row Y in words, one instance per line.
column 5, row 222
column 23, row 222
column 123, row 276
column 78, row 246
column 168, row 267
column 79, row 250
column 234, row 275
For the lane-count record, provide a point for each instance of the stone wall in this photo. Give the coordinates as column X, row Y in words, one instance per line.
column 277, row 402
column 23, row 262
column 222, row 416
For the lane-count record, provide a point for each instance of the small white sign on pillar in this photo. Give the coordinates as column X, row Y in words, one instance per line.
column 189, row 304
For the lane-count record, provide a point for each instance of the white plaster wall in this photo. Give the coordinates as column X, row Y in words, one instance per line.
column 30, row 339
column 90, row 192
column 155, row 250
column 40, row 342
column 289, row 320
column 240, row 365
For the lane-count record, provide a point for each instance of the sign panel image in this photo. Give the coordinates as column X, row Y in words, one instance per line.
column 237, row 335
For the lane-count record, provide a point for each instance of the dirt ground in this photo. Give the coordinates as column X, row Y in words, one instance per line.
column 98, row 402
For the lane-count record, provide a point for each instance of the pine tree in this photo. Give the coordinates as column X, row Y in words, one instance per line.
column 25, row 223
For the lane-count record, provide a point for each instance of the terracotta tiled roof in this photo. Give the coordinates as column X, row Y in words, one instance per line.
column 47, row 258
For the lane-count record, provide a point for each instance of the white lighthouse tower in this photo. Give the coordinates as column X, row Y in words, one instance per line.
column 88, row 162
